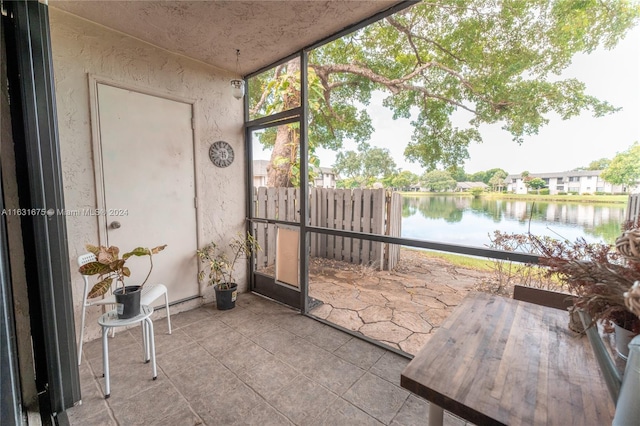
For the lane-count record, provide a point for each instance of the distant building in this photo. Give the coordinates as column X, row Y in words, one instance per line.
column 575, row 181
column 468, row 186
column 324, row 176
column 260, row 173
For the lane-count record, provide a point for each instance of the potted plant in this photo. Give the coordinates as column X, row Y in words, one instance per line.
column 110, row 266
column 600, row 278
column 219, row 266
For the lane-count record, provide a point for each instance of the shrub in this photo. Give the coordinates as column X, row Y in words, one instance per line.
column 601, row 193
column 562, row 193
column 508, row 273
column 477, row 191
column 544, row 192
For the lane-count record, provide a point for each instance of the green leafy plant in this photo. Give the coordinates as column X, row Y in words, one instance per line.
column 108, row 266
column 219, row 268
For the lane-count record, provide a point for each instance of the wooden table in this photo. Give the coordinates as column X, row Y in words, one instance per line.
column 500, row 361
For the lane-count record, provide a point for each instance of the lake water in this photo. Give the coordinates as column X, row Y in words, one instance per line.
column 469, row 221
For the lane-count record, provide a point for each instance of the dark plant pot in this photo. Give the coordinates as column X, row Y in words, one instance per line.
column 226, row 298
column 128, row 301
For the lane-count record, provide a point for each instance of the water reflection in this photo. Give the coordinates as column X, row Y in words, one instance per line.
column 469, row 221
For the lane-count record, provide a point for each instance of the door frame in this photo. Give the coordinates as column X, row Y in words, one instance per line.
column 94, row 80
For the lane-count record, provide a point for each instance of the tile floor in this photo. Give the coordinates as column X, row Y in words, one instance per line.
column 258, row 364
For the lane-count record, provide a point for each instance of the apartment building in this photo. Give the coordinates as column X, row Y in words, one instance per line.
column 574, row 181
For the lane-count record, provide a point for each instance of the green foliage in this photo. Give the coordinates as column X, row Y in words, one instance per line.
column 438, row 180
column 219, row 268
column 536, row 183
column 624, row 168
column 108, row 266
column 498, row 62
column 544, row 192
column 402, row 180
column 600, row 164
column 497, row 180
column 476, row 192
column 458, row 173
column 364, row 167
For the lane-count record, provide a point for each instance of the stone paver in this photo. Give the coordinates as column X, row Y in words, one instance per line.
column 401, row 308
column 218, row 369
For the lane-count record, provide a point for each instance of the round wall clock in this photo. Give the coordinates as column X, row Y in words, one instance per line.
column 221, row 154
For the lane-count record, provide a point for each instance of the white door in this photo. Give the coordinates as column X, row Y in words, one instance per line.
column 149, row 190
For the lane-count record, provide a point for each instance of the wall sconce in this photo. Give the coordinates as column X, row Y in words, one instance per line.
column 237, row 85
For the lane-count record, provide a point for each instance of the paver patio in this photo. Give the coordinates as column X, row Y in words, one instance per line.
column 400, row 308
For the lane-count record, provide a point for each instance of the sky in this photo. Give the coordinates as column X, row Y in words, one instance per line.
column 561, row 145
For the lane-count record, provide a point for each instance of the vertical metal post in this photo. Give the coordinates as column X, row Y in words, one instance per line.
column 40, row 189
column 248, row 149
column 304, row 184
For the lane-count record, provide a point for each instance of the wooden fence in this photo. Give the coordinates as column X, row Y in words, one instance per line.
column 633, row 207
column 372, row 211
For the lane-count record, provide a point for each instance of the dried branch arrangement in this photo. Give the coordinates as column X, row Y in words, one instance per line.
column 599, row 276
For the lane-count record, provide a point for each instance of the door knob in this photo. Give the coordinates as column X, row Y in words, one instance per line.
column 114, row 225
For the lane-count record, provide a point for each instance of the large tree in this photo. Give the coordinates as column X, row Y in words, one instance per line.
column 498, row 61
column 624, row 168
column 363, row 168
column 438, row 180
column 497, row 180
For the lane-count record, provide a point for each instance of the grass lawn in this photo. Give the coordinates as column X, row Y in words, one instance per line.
column 460, row 260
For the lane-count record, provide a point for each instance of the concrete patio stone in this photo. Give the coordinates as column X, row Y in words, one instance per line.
column 360, row 353
column 328, row 338
column 389, row 367
column 411, row 321
column 376, row 314
column 342, row 412
column 400, row 308
column 303, row 400
column 268, row 376
column 385, row 330
column 274, row 377
column 377, row 397
column 414, row 343
column 346, row 318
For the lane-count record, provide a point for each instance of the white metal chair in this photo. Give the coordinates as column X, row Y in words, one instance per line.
column 148, row 295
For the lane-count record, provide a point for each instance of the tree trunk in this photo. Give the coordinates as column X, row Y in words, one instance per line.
column 285, row 148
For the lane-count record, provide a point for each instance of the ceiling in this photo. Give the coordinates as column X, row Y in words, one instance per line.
column 211, row 31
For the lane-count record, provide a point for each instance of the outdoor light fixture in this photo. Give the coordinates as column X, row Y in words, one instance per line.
column 237, row 85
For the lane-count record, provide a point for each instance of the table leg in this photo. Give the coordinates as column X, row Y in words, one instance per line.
column 152, row 347
column 436, row 415
column 105, row 361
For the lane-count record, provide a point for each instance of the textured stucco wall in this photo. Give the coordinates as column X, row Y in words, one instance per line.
column 81, row 48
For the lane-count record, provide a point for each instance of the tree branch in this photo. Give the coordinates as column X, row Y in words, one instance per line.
column 395, row 24
column 265, row 93
column 395, row 85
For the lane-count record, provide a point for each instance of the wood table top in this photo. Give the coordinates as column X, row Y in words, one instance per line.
column 500, row 361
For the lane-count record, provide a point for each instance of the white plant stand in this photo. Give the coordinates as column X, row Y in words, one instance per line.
column 110, row 320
